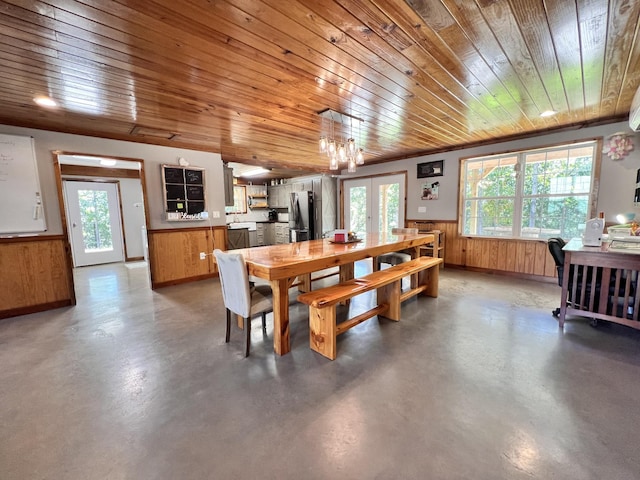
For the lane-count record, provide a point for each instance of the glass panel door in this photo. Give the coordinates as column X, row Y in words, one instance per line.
column 358, row 206
column 93, row 213
column 374, row 204
column 388, row 202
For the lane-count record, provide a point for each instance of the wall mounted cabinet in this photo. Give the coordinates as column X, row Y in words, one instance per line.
column 279, row 196
column 228, row 186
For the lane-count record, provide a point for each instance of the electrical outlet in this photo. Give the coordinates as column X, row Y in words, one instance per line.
column 203, row 256
column 422, row 209
column 215, row 214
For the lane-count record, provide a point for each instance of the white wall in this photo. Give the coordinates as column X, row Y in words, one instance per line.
column 617, row 178
column 132, row 215
column 153, row 156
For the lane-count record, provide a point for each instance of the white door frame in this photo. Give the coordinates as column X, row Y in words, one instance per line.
column 372, row 184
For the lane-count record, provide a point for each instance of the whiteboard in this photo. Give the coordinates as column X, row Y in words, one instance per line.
column 21, row 209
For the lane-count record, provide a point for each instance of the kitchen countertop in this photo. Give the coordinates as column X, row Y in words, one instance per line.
column 251, row 226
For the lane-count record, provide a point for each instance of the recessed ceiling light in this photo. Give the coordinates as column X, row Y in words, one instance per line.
column 253, row 172
column 548, row 113
column 45, row 102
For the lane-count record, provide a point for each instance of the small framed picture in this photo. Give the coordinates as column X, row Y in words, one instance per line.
column 431, row 169
column 430, row 191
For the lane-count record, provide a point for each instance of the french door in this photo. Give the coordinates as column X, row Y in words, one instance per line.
column 374, row 204
column 93, row 214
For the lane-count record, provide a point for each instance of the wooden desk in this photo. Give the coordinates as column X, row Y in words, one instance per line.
column 604, row 282
column 281, row 264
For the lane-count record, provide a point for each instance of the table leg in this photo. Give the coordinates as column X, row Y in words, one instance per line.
column 415, row 253
column 305, row 282
column 280, row 289
column 346, row 273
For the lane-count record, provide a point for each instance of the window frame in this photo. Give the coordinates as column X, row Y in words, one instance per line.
column 520, row 195
column 239, row 193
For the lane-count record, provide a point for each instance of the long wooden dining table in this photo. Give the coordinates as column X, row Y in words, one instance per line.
column 282, row 264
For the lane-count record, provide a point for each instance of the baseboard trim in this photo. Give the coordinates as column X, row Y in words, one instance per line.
column 15, row 312
column 179, row 281
column 489, row 271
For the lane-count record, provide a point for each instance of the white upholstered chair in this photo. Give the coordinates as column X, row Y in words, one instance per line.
column 239, row 295
column 395, row 258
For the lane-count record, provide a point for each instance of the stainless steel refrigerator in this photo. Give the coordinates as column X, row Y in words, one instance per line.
column 302, row 215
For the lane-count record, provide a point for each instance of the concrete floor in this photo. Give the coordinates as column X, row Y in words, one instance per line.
column 477, row 384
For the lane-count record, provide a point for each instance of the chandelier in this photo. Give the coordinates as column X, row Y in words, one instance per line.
column 338, row 142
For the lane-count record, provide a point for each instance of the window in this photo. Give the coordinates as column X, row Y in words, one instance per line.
column 239, row 200
column 537, row 194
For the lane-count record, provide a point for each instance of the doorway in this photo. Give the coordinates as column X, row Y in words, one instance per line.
column 374, row 204
column 94, row 222
column 113, row 246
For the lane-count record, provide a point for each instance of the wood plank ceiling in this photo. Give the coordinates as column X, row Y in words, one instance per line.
column 247, row 77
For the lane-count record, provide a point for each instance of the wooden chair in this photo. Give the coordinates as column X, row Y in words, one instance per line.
column 395, row 258
column 239, row 295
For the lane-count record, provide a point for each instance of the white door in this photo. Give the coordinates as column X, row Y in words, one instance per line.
column 93, row 213
column 374, row 204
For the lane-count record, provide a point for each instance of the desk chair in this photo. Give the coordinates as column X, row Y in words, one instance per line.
column 239, row 295
column 555, row 246
column 395, row 258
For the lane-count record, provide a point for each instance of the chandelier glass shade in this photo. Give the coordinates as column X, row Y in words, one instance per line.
column 337, row 141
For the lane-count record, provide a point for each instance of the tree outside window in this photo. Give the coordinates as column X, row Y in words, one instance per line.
column 94, row 216
column 529, row 194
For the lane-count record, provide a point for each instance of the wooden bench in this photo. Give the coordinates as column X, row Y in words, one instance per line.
column 323, row 329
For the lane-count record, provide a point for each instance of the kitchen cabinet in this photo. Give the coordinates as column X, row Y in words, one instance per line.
column 282, row 233
column 253, row 238
column 274, row 196
column 265, row 233
column 228, row 186
column 272, row 233
column 269, row 233
column 279, row 196
column 237, row 238
column 260, row 238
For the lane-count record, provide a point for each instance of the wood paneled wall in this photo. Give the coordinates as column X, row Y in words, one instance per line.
column 36, row 272
column 34, row 275
column 524, row 257
column 175, row 254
